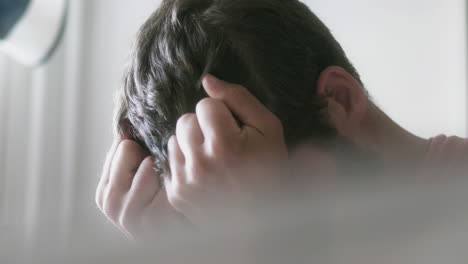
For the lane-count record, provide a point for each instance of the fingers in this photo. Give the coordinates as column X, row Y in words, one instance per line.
column 132, row 199
column 160, row 218
column 216, row 121
column 176, row 157
column 177, row 166
column 243, row 104
column 106, row 173
column 189, row 134
column 145, row 186
column 187, row 149
column 176, row 186
column 127, row 159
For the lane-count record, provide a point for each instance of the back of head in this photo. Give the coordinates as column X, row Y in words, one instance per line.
column 275, row 48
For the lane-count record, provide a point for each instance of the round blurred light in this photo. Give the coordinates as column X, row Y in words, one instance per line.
column 31, row 29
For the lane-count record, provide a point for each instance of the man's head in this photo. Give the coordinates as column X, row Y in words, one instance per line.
column 278, row 49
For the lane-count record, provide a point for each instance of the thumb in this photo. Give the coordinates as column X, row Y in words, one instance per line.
column 240, row 102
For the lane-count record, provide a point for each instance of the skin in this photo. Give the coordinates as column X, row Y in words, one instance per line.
column 129, row 193
column 217, row 164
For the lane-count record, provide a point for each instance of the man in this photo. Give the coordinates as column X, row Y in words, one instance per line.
column 223, row 98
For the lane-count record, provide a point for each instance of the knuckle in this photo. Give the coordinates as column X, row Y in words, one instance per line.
column 185, row 120
column 147, row 170
column 221, row 150
column 129, row 146
column 216, row 146
column 197, row 171
column 205, row 104
column 148, row 161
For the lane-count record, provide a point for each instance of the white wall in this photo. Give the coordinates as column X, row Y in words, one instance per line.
column 411, row 55
column 56, row 125
column 109, row 28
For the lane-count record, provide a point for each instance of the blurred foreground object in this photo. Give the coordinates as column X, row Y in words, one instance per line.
column 384, row 222
column 31, row 29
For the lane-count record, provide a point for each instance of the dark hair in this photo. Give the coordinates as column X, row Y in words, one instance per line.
column 274, row 48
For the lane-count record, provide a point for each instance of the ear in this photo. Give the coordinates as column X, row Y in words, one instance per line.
column 347, row 102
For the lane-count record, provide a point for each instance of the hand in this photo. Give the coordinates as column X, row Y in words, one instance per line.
column 217, row 162
column 130, row 195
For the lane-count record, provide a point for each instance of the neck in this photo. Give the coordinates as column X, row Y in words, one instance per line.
column 397, row 148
